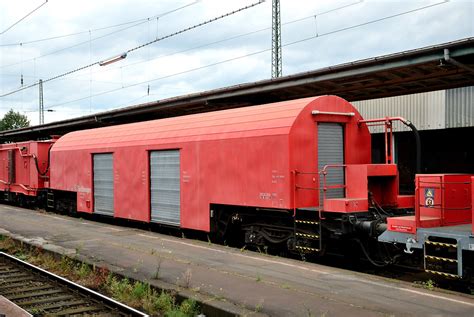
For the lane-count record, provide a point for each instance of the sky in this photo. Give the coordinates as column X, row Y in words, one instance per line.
column 62, row 36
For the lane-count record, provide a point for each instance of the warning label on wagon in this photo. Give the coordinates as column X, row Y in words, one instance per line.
column 429, row 197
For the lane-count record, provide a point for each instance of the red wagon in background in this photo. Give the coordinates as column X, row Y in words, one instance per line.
column 24, row 169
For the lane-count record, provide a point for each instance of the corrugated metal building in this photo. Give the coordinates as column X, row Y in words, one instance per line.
column 453, row 108
column 445, row 119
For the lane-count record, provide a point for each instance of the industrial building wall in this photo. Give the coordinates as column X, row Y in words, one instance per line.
column 460, row 107
column 452, row 108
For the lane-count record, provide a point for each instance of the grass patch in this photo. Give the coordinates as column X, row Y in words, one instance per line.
column 84, row 270
column 428, row 284
column 137, row 294
column 259, row 306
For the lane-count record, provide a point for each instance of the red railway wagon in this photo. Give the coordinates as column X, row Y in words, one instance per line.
column 24, row 167
column 172, row 170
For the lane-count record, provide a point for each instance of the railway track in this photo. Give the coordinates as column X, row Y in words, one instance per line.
column 45, row 294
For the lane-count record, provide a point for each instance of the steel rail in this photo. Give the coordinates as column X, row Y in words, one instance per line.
column 83, row 292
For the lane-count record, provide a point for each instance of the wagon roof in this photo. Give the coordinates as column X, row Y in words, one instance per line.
column 268, row 119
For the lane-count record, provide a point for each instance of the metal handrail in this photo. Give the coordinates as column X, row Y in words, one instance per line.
column 417, row 199
column 387, row 122
column 324, row 171
column 324, row 189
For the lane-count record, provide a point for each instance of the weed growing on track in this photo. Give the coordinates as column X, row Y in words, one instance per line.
column 36, row 312
column 84, row 271
column 186, row 278
column 137, row 294
column 259, row 306
column 156, row 276
column 429, row 284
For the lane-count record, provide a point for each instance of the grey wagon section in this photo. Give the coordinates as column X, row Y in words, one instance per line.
column 331, row 151
column 103, row 184
column 165, row 187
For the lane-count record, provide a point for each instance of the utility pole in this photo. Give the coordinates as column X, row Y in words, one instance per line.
column 41, row 104
column 276, row 39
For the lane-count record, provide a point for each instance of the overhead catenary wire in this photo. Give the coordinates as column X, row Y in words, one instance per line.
column 254, row 53
column 75, row 45
column 139, row 46
column 249, row 54
column 180, row 51
column 269, row 28
column 140, row 22
column 195, row 26
column 209, row 44
column 101, row 28
column 30, row 13
column 339, row 8
column 70, row 78
column 135, row 22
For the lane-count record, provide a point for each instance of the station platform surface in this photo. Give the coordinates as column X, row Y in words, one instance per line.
column 251, row 281
column 8, row 308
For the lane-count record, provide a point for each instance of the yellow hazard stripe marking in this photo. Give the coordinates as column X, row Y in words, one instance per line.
column 307, row 222
column 314, row 236
column 307, row 248
column 441, row 244
column 442, row 273
column 438, row 258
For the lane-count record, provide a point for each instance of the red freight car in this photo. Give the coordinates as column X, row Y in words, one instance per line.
column 24, row 168
column 172, row 170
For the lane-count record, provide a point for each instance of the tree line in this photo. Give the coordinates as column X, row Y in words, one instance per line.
column 13, row 120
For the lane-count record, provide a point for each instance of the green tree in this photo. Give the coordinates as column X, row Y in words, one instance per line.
column 13, row 120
